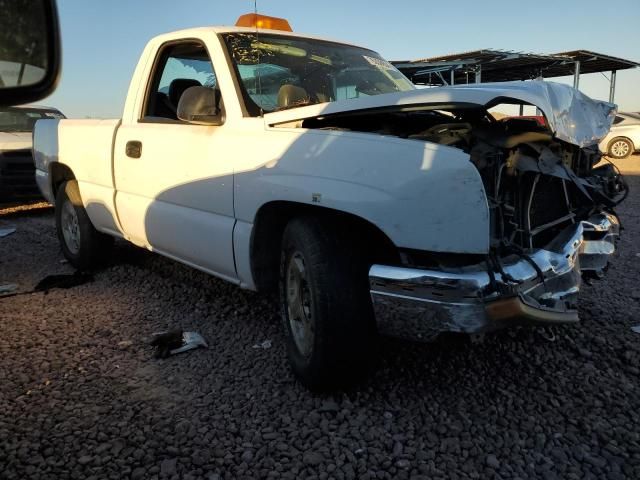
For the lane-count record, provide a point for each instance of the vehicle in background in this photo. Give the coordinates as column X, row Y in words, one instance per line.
column 624, row 137
column 17, row 170
column 286, row 162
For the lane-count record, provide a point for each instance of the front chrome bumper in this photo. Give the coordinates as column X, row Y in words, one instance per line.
column 419, row 304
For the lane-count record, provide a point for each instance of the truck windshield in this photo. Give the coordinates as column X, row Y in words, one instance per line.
column 23, row 119
column 280, row 72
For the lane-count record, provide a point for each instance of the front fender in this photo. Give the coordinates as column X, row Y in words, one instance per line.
column 423, row 196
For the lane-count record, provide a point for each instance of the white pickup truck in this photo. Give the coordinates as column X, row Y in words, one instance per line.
column 280, row 161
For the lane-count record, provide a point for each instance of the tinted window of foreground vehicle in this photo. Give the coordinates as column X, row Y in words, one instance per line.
column 29, row 50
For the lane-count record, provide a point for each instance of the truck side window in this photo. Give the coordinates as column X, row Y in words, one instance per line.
column 177, row 68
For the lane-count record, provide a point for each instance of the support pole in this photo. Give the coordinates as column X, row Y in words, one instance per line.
column 453, row 80
column 612, row 86
column 576, row 74
column 478, row 74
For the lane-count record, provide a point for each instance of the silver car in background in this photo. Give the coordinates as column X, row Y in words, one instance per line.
column 624, row 137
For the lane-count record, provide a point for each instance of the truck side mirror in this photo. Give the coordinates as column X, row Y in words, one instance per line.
column 29, row 50
column 200, row 106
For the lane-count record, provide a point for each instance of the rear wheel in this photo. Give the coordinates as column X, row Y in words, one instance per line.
column 620, row 147
column 82, row 245
column 325, row 305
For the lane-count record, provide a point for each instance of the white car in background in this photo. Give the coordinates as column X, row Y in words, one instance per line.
column 624, row 137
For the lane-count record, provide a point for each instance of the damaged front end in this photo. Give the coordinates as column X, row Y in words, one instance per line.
column 529, row 286
column 551, row 204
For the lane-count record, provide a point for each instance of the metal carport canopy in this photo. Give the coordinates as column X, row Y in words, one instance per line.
column 501, row 65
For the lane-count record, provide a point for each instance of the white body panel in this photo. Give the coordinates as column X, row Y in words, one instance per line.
column 178, row 196
column 86, row 147
column 422, row 196
column 571, row 115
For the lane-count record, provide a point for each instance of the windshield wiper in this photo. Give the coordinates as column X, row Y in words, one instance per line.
column 300, row 103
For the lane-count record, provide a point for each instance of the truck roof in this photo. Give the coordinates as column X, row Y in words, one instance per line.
column 231, row 29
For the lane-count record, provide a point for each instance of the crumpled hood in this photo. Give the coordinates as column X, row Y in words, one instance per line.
column 571, row 115
column 15, row 140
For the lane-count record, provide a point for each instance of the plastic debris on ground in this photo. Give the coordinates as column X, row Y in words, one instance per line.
column 8, row 289
column 635, row 329
column 547, row 333
column 5, row 231
column 124, row 344
column 176, row 341
column 263, row 345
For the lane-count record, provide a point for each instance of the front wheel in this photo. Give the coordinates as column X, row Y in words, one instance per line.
column 325, row 305
column 620, row 148
column 82, row 245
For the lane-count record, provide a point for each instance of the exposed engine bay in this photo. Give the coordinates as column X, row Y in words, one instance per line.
column 536, row 185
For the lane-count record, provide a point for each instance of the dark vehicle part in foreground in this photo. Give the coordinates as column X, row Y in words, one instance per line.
column 30, row 52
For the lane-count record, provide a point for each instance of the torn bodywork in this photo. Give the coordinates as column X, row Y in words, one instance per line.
column 551, row 211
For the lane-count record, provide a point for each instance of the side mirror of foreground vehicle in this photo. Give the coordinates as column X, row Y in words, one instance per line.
column 29, row 50
column 201, row 106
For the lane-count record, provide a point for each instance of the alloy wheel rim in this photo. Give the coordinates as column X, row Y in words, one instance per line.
column 620, row 148
column 70, row 227
column 299, row 305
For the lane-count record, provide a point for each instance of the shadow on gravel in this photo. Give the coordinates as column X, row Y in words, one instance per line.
column 125, row 254
column 64, row 281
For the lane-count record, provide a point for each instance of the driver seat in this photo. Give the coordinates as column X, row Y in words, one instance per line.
column 292, row 95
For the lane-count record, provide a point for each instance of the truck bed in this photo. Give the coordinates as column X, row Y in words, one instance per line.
column 85, row 146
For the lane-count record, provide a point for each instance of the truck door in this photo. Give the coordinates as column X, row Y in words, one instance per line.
column 174, row 182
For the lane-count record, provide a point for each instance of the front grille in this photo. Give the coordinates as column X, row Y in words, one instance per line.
column 17, row 175
column 548, row 202
column 548, row 210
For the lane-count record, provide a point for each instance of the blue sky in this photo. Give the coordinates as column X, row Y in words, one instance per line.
column 103, row 39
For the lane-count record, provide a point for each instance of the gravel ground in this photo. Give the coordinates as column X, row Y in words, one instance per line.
column 81, row 395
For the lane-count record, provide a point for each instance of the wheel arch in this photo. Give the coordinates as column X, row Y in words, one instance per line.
column 58, row 174
column 271, row 220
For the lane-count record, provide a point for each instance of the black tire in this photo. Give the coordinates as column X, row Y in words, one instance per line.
column 619, row 148
column 90, row 247
column 344, row 336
